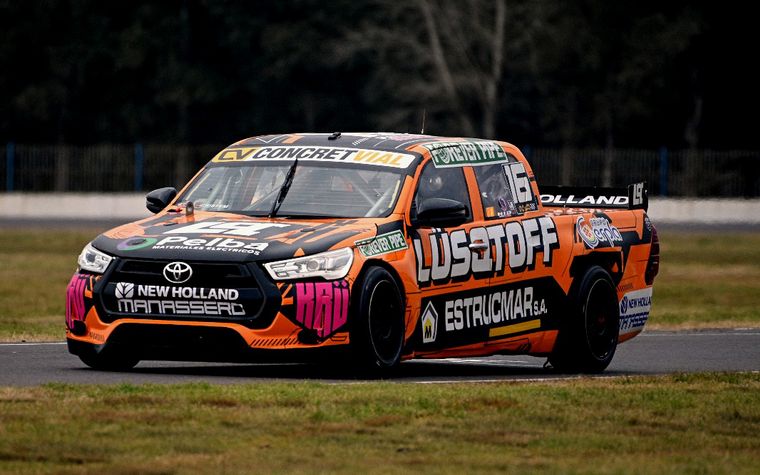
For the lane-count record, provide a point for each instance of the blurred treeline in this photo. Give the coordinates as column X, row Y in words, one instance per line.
column 574, row 73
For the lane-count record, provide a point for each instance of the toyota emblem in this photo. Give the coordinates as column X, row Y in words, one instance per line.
column 178, row 272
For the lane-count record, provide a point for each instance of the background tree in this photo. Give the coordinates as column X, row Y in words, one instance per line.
column 572, row 74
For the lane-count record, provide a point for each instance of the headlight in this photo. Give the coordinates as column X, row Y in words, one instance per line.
column 330, row 265
column 93, row 260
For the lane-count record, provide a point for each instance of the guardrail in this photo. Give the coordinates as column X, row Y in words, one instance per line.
column 679, row 173
column 64, row 168
column 138, row 167
column 78, row 207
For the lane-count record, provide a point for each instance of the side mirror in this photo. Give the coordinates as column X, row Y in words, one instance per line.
column 441, row 212
column 158, row 199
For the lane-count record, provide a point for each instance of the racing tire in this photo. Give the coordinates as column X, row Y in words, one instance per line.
column 589, row 337
column 107, row 360
column 377, row 328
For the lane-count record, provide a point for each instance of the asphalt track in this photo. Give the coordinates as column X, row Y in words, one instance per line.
column 651, row 353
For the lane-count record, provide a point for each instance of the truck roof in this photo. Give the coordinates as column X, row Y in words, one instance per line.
column 381, row 141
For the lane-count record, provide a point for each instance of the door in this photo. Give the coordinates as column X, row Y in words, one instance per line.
column 452, row 263
column 523, row 291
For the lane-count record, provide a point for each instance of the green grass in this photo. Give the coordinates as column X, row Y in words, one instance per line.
column 673, row 424
column 35, row 267
column 706, row 280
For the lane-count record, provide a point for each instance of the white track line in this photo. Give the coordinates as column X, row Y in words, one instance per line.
column 676, row 334
column 559, row 378
column 41, row 343
column 519, row 380
column 495, row 362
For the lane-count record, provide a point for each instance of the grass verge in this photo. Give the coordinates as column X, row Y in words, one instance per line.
column 700, row 423
column 35, row 267
column 706, row 280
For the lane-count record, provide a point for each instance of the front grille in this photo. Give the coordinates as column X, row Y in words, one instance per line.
column 137, row 288
column 180, row 343
column 205, row 274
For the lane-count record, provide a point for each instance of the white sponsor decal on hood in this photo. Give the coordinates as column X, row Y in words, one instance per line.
column 224, row 227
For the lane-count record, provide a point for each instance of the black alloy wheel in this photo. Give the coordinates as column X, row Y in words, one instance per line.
column 589, row 334
column 377, row 328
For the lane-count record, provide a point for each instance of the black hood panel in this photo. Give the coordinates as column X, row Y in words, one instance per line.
column 230, row 238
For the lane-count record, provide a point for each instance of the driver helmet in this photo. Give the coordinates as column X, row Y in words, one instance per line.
column 433, row 184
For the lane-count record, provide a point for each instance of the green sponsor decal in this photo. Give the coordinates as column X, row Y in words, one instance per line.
column 135, row 243
column 457, row 154
column 382, row 244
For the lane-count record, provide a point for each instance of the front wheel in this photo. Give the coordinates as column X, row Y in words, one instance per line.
column 107, row 360
column 589, row 336
column 377, row 328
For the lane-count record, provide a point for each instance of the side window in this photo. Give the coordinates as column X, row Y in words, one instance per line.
column 441, row 183
column 495, row 193
column 505, row 190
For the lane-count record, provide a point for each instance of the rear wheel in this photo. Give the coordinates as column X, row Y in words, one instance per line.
column 589, row 337
column 377, row 328
column 107, row 360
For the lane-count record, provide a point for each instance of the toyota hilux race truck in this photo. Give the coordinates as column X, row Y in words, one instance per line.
column 370, row 248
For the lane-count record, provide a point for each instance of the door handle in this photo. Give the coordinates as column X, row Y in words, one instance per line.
column 478, row 246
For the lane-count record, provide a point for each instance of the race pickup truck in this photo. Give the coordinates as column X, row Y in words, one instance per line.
column 371, row 248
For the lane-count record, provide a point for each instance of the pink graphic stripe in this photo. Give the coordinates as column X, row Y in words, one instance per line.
column 75, row 299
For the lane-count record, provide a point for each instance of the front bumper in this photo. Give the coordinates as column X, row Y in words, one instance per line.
column 187, row 343
column 283, row 318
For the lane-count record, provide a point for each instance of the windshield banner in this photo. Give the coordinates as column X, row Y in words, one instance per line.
column 332, row 154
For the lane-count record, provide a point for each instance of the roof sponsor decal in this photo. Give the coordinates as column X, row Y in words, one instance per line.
column 331, row 154
column 382, row 244
column 458, row 154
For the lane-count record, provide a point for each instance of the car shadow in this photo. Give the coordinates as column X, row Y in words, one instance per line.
column 411, row 371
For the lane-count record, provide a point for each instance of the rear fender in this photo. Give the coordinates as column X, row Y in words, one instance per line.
column 610, row 260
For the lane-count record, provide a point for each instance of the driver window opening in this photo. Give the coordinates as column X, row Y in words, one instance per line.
column 495, row 194
column 441, row 183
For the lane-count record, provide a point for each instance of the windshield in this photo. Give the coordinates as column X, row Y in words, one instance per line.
column 317, row 190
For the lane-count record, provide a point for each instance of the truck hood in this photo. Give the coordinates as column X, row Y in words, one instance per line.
column 208, row 236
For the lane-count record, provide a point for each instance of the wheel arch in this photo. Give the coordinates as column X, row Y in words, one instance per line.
column 354, row 298
column 606, row 260
column 573, row 350
column 391, row 270
column 360, row 325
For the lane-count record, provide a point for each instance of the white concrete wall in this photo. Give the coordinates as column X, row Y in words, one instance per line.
column 129, row 206
column 90, row 206
column 704, row 211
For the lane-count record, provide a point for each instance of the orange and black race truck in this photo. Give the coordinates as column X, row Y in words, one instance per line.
column 371, row 248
